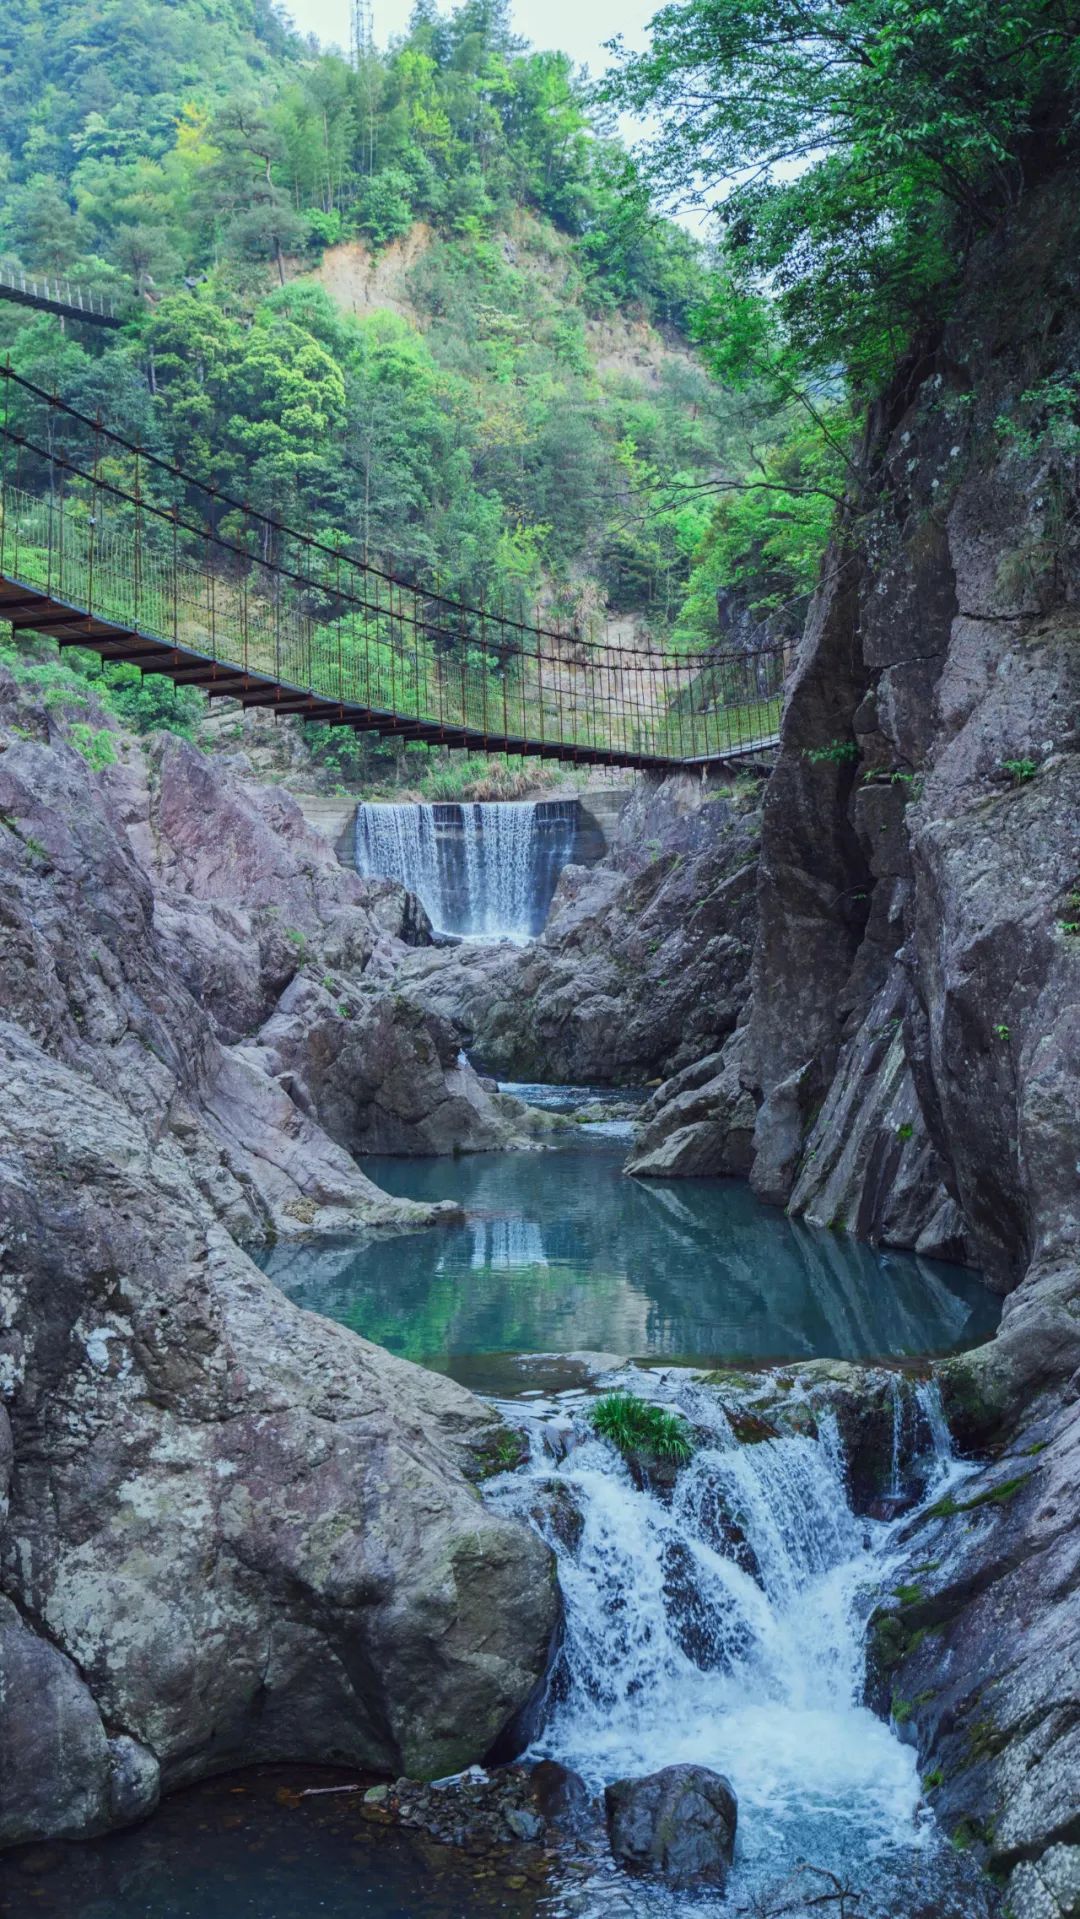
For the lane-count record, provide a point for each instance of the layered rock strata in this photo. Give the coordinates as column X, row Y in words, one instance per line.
column 909, row 1067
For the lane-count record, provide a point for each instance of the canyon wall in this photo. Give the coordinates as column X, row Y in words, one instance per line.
column 911, row 1045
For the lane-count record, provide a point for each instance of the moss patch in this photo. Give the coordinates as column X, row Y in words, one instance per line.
column 996, row 1496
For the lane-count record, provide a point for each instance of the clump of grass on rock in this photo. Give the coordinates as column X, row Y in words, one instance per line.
column 635, row 1427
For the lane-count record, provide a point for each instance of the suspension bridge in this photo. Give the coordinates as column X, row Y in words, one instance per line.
column 107, row 546
column 65, row 298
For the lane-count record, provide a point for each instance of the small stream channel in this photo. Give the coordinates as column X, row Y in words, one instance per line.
column 720, row 1621
column 723, row 1624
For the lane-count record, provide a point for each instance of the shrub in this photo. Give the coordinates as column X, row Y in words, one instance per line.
column 835, row 754
column 95, row 745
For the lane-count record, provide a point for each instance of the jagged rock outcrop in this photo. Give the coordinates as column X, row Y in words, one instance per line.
column 293, row 956
column 642, row 966
column 229, row 1530
column 382, row 1076
column 701, row 1121
column 977, row 1654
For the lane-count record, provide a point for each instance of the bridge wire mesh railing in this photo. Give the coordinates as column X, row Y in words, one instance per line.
column 43, row 289
column 113, row 530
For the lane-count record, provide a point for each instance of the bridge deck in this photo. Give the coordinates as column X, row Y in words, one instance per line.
column 68, row 302
column 28, row 608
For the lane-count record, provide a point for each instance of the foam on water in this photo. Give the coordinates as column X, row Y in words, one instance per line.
column 727, row 1629
column 490, row 875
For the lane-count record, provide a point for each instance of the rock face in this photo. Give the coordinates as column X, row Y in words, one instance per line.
column 915, row 1034
column 229, row 1531
column 978, row 1655
column 292, row 955
column 701, row 1121
column 678, row 1823
column 911, row 1050
column 380, row 1075
column 643, row 964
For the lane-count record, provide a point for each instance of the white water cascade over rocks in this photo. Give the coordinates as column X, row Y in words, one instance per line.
column 481, row 869
column 719, row 1621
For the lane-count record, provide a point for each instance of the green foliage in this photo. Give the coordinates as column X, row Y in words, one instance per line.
column 94, row 743
column 634, row 1426
column 836, row 753
column 760, row 555
column 484, row 449
column 1020, row 770
column 998, row 1495
column 145, row 705
column 868, row 142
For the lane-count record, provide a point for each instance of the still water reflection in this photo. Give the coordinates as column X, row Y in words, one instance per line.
column 560, row 1251
column 264, row 1844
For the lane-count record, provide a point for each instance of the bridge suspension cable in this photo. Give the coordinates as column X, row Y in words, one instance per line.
column 108, row 545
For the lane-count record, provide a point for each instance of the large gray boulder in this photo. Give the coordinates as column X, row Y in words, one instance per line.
column 699, row 1122
column 381, row 1075
column 678, row 1823
column 229, row 1531
column 236, row 1532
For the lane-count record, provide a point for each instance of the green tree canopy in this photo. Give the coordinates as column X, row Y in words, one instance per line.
column 858, row 144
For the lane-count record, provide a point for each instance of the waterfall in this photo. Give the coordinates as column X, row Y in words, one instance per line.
column 894, row 1489
column 943, row 1461
column 481, row 869
column 723, row 1625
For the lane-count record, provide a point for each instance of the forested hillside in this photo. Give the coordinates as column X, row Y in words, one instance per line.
column 202, row 157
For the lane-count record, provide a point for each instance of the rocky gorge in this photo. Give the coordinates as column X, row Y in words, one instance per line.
column 230, row 1530
column 865, row 995
column 235, row 1532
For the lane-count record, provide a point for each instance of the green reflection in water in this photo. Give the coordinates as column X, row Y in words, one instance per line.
column 560, row 1252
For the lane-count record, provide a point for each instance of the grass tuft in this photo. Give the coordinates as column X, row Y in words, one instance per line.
column 633, row 1426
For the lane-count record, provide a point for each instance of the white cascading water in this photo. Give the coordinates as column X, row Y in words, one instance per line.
column 491, row 876
column 726, row 1629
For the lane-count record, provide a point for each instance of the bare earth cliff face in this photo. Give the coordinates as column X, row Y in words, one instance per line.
column 229, row 1530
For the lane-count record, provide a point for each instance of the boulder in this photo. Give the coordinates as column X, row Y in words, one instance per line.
column 230, row 1532
column 382, row 1076
column 699, row 1122
column 236, row 1532
column 678, row 1823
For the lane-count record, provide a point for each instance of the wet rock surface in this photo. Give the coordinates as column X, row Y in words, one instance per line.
column 678, row 1824
column 489, row 1812
column 283, row 1840
column 977, row 1655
